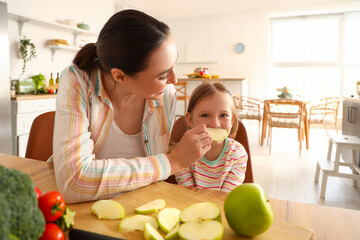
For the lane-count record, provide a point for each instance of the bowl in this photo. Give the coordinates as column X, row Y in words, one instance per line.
column 70, row 22
column 83, row 26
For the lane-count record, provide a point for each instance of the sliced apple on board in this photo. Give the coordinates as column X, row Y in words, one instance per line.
column 201, row 221
column 211, row 229
column 217, row 134
column 200, row 211
column 107, row 209
column 168, row 218
column 137, row 222
column 151, row 207
column 150, row 233
column 173, row 234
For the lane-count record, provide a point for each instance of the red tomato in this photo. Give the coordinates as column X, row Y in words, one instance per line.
column 51, row 91
column 52, row 232
column 38, row 192
column 52, row 205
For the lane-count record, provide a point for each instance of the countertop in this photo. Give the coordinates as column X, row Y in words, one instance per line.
column 210, row 79
column 20, row 97
column 354, row 99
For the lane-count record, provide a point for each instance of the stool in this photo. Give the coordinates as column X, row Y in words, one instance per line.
column 330, row 168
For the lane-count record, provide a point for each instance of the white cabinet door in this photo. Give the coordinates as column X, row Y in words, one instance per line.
column 22, row 144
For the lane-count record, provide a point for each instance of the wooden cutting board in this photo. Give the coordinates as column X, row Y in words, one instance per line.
column 180, row 198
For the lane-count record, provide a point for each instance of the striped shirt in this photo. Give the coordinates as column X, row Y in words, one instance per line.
column 84, row 115
column 225, row 173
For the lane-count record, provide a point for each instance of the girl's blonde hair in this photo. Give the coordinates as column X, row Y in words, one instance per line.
column 208, row 89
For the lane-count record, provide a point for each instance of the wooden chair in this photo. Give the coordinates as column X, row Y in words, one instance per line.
column 180, row 128
column 41, row 134
column 325, row 111
column 249, row 108
column 181, row 92
column 286, row 113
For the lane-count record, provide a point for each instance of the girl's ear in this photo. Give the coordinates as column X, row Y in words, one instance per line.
column 189, row 120
column 118, row 76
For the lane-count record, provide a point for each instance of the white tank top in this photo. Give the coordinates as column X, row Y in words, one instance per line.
column 120, row 145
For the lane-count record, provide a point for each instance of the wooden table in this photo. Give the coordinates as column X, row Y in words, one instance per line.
column 326, row 222
column 265, row 123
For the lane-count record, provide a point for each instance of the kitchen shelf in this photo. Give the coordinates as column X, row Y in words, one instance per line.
column 23, row 19
column 54, row 48
column 52, row 25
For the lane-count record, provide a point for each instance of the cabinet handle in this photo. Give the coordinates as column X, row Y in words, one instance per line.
column 351, row 115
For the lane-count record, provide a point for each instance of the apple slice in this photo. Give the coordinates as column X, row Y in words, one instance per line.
column 211, row 230
column 150, row 233
column 151, row 207
column 217, row 134
column 107, row 209
column 136, row 222
column 168, row 218
column 173, row 234
column 200, row 211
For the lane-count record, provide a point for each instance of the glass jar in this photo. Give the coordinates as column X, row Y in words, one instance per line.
column 358, row 88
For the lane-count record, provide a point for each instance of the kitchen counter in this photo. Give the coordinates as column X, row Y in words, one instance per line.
column 20, row 97
column 354, row 99
column 211, row 79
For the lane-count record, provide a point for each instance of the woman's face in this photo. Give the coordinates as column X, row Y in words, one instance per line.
column 215, row 111
column 151, row 82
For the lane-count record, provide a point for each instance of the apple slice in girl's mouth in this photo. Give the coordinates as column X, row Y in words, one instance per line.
column 217, row 134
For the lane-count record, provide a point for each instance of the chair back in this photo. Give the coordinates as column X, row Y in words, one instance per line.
column 40, row 142
column 326, row 109
column 285, row 113
column 181, row 92
column 180, row 128
column 247, row 107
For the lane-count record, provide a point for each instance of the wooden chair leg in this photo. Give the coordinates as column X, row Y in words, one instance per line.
column 270, row 138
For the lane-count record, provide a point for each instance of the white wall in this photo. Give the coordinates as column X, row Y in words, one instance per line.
column 93, row 12
column 215, row 37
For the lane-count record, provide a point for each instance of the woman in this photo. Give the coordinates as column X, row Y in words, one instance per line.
column 115, row 110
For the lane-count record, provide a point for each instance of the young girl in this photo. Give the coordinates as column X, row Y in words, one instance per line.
column 223, row 166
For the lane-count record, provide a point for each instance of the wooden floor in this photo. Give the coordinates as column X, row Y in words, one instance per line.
column 285, row 176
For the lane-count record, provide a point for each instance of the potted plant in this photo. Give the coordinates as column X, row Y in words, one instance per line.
column 27, row 51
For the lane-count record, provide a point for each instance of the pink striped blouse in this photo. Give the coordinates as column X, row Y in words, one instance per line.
column 225, row 173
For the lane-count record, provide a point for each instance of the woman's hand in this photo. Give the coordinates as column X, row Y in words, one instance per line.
column 192, row 146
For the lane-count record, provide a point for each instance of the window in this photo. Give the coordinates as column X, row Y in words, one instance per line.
column 316, row 56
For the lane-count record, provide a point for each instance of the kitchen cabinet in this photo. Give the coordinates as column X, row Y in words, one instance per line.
column 351, row 123
column 24, row 109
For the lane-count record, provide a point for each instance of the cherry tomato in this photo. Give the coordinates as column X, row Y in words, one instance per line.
column 52, row 205
column 38, row 192
column 52, row 232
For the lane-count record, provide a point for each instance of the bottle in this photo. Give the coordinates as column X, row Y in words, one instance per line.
column 57, row 78
column 51, row 80
column 57, row 81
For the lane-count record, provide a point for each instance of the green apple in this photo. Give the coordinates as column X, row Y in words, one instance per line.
column 137, row 222
column 173, row 234
column 217, row 134
column 151, row 207
column 150, row 233
column 211, row 230
column 200, row 211
column 107, row 209
column 168, row 218
column 247, row 210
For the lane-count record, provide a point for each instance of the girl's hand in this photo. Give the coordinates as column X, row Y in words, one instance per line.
column 192, row 146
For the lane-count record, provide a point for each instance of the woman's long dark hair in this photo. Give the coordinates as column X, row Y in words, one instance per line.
column 125, row 42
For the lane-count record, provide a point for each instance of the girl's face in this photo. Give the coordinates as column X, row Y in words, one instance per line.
column 151, row 82
column 214, row 111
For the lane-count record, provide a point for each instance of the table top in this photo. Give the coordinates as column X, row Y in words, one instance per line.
column 210, row 79
column 326, row 222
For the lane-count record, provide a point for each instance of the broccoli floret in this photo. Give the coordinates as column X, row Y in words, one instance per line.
column 20, row 216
